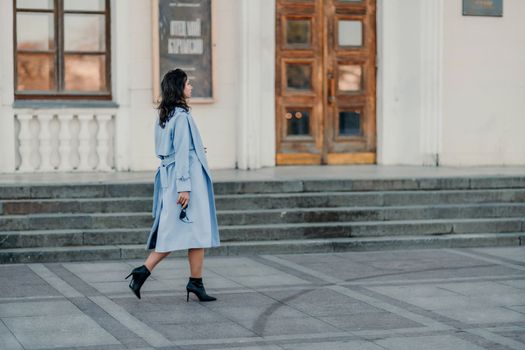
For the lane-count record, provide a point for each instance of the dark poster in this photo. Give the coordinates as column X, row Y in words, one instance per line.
column 185, row 42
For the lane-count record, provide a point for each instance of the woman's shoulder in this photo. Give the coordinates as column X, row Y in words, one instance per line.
column 180, row 110
column 177, row 116
column 174, row 114
column 180, row 113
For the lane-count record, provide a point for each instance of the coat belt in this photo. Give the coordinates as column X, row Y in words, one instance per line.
column 161, row 179
column 165, row 161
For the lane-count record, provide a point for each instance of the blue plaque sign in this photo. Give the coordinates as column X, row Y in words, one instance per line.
column 491, row 8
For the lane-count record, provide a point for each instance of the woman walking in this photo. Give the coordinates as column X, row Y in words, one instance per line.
column 183, row 200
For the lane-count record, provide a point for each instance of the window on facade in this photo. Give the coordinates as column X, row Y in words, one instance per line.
column 62, row 49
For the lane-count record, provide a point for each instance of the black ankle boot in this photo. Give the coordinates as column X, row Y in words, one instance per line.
column 140, row 274
column 196, row 286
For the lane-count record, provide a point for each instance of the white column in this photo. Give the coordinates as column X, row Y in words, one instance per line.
column 256, row 113
column 409, row 81
column 64, row 146
column 121, row 77
column 45, row 142
column 246, row 111
column 431, row 80
column 7, row 115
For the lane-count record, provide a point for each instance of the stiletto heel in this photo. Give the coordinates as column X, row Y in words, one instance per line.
column 140, row 274
column 128, row 276
column 196, row 286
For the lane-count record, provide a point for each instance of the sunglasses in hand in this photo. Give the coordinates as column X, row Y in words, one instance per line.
column 184, row 216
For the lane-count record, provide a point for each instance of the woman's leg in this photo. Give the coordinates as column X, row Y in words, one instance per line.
column 154, row 258
column 195, row 284
column 196, row 258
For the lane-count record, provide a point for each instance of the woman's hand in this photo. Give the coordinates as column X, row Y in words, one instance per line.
column 184, row 199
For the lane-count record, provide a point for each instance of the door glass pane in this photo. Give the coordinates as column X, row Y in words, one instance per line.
column 298, row 32
column 35, row 71
column 85, row 73
column 298, row 76
column 350, row 77
column 35, row 4
column 350, row 33
column 84, row 32
column 349, row 123
column 84, row 5
column 297, row 122
column 35, row 31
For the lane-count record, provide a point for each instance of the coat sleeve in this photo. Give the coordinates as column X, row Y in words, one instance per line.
column 181, row 145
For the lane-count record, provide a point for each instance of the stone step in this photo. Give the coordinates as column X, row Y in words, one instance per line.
column 75, row 205
column 96, row 190
column 115, row 236
column 77, row 222
column 268, row 201
column 104, row 190
column 117, row 252
column 267, row 216
column 368, row 198
column 347, row 214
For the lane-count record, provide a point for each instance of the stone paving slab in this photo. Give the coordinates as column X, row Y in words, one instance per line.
column 430, row 343
column 433, row 299
column 515, row 254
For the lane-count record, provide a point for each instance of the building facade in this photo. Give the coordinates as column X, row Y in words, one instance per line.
column 294, row 82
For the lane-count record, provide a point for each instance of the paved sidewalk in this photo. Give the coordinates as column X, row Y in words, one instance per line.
column 458, row 299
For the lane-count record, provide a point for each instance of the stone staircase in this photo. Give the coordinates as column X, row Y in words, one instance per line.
column 44, row 223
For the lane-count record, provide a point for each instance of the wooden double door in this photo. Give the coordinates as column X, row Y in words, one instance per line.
column 326, row 81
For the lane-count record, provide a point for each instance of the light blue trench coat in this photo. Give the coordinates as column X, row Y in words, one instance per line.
column 183, row 167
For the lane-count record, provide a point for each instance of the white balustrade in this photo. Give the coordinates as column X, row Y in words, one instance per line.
column 50, row 141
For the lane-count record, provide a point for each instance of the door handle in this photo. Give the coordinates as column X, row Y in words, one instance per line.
column 331, row 88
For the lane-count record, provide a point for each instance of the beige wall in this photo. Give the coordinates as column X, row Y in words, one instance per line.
column 238, row 128
column 450, row 88
column 216, row 121
column 484, row 86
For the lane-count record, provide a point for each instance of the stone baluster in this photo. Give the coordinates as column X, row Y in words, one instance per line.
column 64, row 147
column 84, row 139
column 102, row 142
column 45, row 142
column 25, row 142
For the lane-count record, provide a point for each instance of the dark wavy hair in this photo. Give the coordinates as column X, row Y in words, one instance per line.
column 172, row 94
